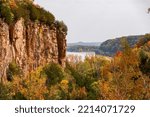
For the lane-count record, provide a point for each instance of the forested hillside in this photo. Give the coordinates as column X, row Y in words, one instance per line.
column 107, row 48
column 110, row 47
column 126, row 76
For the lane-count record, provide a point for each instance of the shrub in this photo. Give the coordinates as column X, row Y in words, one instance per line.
column 83, row 74
column 94, row 92
column 61, row 26
column 6, row 13
column 54, row 73
column 76, row 75
column 13, row 69
column 31, row 88
column 19, row 96
column 21, row 11
column 25, row 9
column 144, row 62
column 34, row 12
column 4, row 92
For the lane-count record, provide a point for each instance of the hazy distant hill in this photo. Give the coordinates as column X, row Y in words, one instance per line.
column 84, row 47
column 108, row 48
column 84, row 44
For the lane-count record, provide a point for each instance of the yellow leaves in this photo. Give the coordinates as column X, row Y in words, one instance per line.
column 34, row 88
column 78, row 93
column 40, row 30
column 64, row 82
column 54, row 93
column 12, row 3
column 31, row 88
column 95, row 78
column 105, row 89
column 64, row 86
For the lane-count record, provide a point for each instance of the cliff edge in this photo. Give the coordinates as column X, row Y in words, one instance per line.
column 30, row 44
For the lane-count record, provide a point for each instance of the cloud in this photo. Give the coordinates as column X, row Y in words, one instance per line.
column 98, row 20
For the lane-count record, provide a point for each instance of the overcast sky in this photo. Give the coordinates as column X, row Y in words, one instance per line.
column 99, row 20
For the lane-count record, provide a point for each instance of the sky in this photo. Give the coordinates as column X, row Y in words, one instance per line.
column 99, row 20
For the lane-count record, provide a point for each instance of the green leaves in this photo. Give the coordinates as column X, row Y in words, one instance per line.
column 61, row 26
column 54, row 73
column 13, row 69
column 6, row 14
column 144, row 62
column 26, row 10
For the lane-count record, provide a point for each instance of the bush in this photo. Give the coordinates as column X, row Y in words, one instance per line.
column 34, row 12
column 54, row 73
column 13, row 69
column 83, row 74
column 144, row 62
column 94, row 92
column 27, row 10
column 21, row 11
column 40, row 14
column 61, row 26
column 80, row 81
column 6, row 14
column 4, row 92
column 19, row 96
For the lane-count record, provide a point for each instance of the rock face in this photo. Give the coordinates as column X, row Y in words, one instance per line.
column 30, row 45
column 5, row 50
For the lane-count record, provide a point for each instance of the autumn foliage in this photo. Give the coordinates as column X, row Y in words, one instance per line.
column 123, row 77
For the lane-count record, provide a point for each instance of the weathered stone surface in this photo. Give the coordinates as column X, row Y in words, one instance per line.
column 61, row 41
column 30, row 45
column 5, row 50
column 19, row 44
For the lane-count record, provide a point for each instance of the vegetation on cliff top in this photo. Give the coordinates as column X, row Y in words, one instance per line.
column 12, row 10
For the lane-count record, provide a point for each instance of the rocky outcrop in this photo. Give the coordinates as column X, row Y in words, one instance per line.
column 5, row 50
column 61, row 42
column 30, row 45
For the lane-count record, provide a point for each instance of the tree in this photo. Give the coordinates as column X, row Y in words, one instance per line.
column 61, row 26
column 54, row 73
column 6, row 13
column 144, row 62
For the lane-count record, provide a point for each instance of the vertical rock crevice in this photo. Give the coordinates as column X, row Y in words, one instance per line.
column 5, row 50
column 61, row 42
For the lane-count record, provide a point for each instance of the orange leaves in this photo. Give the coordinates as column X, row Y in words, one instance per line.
column 119, row 54
column 105, row 89
column 81, row 93
column 148, row 43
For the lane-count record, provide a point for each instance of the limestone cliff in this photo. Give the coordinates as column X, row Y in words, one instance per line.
column 30, row 45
